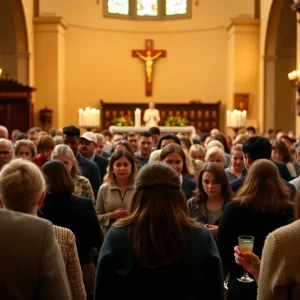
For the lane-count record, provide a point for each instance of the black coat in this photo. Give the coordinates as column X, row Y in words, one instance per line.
column 91, row 171
column 77, row 214
column 102, row 164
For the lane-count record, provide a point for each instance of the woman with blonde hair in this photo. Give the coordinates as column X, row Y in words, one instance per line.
column 240, row 139
column 158, row 249
column 83, row 186
column 22, row 189
column 262, row 205
column 217, row 155
column 114, row 194
column 25, row 149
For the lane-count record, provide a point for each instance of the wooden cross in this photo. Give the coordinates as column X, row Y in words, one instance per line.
column 149, row 55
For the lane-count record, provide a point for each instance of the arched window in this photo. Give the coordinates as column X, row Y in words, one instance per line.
column 147, row 9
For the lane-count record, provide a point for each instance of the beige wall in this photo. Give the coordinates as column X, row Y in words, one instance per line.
column 99, row 63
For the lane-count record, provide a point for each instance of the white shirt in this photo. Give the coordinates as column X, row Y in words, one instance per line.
column 149, row 115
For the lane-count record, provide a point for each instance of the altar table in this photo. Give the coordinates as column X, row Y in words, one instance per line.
column 190, row 130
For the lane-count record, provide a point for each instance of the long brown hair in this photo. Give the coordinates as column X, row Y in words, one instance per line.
column 263, row 189
column 159, row 214
column 58, row 180
column 220, row 177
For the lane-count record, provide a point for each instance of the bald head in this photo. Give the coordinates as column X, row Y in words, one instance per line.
column 6, row 152
column 3, row 132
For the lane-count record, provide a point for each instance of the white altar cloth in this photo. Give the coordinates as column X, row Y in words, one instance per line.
column 190, row 130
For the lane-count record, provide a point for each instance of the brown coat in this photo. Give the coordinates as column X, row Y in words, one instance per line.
column 280, row 265
column 31, row 262
column 67, row 243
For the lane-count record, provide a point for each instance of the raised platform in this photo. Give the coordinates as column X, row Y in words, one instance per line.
column 190, row 130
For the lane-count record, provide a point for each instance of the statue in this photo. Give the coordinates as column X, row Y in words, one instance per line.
column 151, row 116
column 149, row 63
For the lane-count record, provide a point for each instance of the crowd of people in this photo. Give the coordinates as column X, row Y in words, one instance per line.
column 145, row 215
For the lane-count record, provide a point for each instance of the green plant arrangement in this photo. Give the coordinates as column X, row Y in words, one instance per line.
column 122, row 121
column 176, row 121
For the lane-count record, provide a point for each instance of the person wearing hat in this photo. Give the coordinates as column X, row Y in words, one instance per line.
column 89, row 169
column 87, row 148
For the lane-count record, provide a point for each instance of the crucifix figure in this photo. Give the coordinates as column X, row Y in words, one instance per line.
column 149, row 55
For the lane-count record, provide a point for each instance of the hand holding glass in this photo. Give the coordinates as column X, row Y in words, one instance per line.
column 246, row 245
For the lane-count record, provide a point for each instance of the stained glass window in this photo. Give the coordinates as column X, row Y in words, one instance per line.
column 120, row 7
column 176, row 7
column 147, row 7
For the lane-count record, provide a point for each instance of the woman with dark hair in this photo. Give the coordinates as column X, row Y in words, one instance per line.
column 158, row 251
column 65, row 209
column 125, row 145
column 281, row 153
column 174, row 156
column 167, row 139
column 212, row 195
column 263, row 205
column 277, row 274
column 114, row 194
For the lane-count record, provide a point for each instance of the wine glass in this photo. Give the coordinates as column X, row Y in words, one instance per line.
column 246, row 245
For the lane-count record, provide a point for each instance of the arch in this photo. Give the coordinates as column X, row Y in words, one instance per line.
column 16, row 38
column 281, row 25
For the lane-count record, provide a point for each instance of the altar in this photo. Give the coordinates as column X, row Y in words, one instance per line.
column 190, row 130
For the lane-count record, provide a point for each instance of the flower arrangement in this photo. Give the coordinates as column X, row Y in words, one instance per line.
column 122, row 121
column 176, row 121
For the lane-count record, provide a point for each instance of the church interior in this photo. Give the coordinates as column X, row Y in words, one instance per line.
column 75, row 54
column 149, row 149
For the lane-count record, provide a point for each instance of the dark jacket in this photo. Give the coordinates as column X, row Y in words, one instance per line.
column 197, row 275
column 283, row 170
column 188, row 186
column 102, row 164
column 240, row 220
column 106, row 155
column 77, row 214
column 237, row 183
column 90, row 170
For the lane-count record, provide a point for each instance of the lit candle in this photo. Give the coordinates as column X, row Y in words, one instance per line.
column 228, row 118
column 98, row 118
column 137, row 118
column 80, row 111
column 244, row 118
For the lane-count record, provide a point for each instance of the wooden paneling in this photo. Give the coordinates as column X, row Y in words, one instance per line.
column 203, row 116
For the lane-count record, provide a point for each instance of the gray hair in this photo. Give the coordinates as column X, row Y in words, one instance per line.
column 66, row 151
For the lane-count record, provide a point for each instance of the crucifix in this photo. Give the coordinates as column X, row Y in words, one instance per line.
column 149, row 55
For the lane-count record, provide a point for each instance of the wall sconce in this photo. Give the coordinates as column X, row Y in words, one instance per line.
column 294, row 77
column 0, row 72
column 236, row 120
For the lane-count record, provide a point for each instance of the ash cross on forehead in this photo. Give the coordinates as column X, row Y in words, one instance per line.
column 149, row 55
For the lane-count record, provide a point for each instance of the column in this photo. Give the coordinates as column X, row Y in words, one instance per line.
column 243, row 64
column 49, row 52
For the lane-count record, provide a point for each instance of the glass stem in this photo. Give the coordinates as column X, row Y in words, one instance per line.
column 246, row 273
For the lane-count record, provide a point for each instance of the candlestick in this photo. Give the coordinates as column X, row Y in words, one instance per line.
column 236, row 119
column 89, row 118
column 137, row 118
